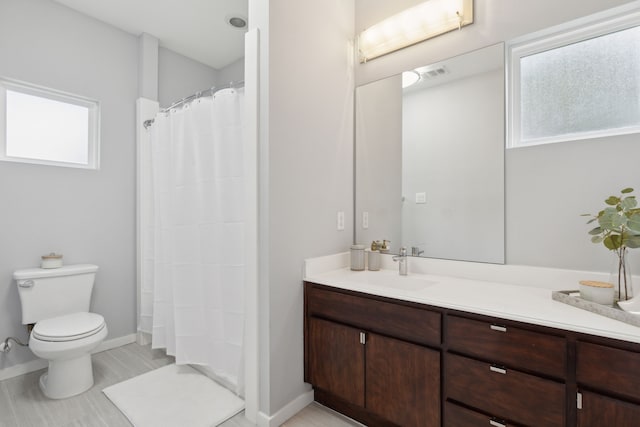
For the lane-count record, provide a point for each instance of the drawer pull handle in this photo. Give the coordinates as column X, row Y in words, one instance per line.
column 498, row 328
column 497, row 369
column 497, row 423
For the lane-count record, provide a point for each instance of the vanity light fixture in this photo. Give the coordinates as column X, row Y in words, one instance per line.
column 413, row 25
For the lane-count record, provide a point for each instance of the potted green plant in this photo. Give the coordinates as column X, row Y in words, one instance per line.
column 618, row 229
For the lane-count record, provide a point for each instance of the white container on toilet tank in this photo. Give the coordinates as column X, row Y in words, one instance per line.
column 56, row 302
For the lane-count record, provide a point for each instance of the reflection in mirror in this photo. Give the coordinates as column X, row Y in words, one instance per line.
column 430, row 159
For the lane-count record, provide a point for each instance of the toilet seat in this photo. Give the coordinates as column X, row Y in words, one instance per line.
column 69, row 327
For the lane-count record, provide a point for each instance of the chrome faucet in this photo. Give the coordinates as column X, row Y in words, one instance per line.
column 402, row 260
column 415, row 251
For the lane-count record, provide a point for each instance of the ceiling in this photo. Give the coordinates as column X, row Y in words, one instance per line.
column 197, row 29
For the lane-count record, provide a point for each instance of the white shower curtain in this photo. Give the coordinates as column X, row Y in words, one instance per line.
column 192, row 297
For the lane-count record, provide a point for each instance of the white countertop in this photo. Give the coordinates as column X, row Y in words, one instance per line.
column 528, row 304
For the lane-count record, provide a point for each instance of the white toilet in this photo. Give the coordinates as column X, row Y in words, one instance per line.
column 57, row 301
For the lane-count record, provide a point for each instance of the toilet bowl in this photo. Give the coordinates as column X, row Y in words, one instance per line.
column 56, row 302
column 66, row 343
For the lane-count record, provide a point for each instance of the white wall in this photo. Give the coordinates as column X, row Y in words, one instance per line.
column 86, row 215
column 547, row 187
column 306, row 174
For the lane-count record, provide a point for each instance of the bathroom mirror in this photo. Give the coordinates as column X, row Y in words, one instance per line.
column 429, row 171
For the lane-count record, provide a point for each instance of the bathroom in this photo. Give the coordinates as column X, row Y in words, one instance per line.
column 307, row 81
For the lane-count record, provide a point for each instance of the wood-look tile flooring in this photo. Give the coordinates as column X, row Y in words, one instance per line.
column 22, row 404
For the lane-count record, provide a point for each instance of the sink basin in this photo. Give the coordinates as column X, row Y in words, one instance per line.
column 387, row 280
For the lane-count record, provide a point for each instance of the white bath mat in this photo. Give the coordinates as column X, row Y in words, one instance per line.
column 174, row 396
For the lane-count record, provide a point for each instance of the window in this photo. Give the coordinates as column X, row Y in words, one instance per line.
column 580, row 83
column 46, row 126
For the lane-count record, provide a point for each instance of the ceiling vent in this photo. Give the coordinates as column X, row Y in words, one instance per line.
column 432, row 73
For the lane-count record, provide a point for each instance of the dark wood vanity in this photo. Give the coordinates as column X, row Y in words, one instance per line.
column 387, row 362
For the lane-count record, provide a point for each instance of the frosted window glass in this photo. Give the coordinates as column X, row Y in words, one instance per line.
column 585, row 87
column 46, row 129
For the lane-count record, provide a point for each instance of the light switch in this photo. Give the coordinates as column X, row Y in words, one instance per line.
column 340, row 221
column 365, row 220
column 421, row 197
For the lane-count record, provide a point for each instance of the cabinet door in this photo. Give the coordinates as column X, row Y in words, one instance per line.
column 599, row 411
column 608, row 369
column 402, row 381
column 336, row 360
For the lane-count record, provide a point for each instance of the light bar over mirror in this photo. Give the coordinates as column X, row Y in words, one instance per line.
column 414, row 25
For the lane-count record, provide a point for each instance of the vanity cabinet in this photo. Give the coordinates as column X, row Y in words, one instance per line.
column 382, row 374
column 387, row 362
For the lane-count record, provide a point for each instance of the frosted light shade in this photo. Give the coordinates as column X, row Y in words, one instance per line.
column 413, row 25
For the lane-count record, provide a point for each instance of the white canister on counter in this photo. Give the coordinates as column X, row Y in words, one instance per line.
column 52, row 260
column 357, row 257
column 374, row 261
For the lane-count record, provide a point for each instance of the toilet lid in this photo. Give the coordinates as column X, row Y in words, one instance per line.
column 68, row 327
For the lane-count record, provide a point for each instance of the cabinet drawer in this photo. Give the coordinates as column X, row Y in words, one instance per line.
column 459, row 416
column 508, row 394
column 400, row 321
column 513, row 347
column 608, row 369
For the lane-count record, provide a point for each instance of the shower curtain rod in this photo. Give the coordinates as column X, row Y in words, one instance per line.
column 211, row 91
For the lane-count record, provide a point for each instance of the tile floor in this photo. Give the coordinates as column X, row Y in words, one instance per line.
column 22, row 404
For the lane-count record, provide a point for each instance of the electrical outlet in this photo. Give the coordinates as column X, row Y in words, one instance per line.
column 421, row 198
column 365, row 220
column 340, row 221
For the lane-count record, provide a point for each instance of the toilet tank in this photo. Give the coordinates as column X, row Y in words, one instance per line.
column 52, row 292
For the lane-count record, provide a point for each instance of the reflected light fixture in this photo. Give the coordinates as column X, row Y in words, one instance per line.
column 413, row 25
column 409, row 78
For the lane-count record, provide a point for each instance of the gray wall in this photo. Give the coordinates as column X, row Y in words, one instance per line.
column 233, row 72
column 86, row 215
column 89, row 216
column 306, row 169
column 179, row 77
column 548, row 186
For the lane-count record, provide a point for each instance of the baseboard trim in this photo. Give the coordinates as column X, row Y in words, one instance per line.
column 115, row 342
column 22, row 368
column 286, row 412
column 143, row 338
column 37, row 364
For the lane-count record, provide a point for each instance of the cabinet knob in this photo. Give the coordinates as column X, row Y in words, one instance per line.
column 497, row 423
column 498, row 328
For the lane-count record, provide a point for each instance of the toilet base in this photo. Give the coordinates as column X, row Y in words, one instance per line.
column 66, row 378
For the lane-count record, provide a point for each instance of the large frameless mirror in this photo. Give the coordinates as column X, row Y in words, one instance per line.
column 430, row 159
